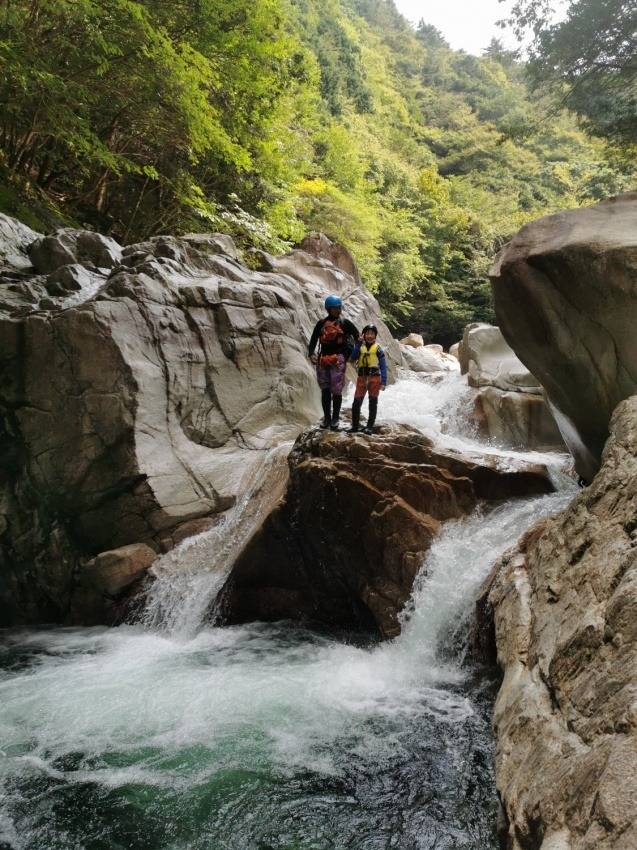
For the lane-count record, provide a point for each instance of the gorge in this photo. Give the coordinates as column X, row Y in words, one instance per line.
column 163, row 468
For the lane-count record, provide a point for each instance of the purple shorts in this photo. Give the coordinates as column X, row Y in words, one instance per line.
column 332, row 378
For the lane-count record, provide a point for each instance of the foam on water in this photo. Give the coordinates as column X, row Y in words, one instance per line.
column 440, row 407
column 259, row 736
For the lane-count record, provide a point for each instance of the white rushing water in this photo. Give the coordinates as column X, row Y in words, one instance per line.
column 440, row 407
column 261, row 736
column 189, row 577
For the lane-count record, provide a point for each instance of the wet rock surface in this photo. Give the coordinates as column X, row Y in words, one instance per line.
column 510, row 407
column 564, row 606
column 565, row 298
column 345, row 544
column 516, row 419
column 142, row 405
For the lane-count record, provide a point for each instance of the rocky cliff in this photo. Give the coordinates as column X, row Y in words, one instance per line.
column 565, row 615
column 139, row 389
column 566, row 301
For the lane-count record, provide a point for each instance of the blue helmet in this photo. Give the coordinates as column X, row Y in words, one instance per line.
column 333, row 301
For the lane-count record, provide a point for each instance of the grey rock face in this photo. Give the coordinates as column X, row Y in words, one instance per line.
column 565, row 606
column 490, row 362
column 15, row 239
column 517, row 419
column 566, row 301
column 144, row 407
column 68, row 246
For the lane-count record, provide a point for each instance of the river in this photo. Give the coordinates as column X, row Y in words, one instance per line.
column 175, row 735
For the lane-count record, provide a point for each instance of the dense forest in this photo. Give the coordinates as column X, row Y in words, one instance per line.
column 271, row 118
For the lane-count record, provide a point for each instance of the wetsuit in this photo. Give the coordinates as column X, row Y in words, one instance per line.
column 330, row 369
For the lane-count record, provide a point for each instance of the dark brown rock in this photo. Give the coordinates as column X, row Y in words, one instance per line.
column 344, row 546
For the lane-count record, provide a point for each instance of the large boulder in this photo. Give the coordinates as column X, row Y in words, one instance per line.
column 67, row 246
column 489, row 362
column 148, row 404
column 565, row 298
column 345, row 544
column 102, row 580
column 15, row 239
column 509, row 408
column 428, row 360
column 565, row 614
column 318, row 245
column 414, row 340
column 516, row 419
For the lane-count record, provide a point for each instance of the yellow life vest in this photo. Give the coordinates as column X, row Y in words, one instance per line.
column 368, row 357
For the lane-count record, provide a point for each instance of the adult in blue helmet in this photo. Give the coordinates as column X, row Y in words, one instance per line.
column 336, row 338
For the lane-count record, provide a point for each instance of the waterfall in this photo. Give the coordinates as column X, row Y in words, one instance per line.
column 180, row 736
column 189, row 577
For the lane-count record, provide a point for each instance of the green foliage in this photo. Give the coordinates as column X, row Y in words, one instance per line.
column 122, row 108
column 269, row 118
column 589, row 60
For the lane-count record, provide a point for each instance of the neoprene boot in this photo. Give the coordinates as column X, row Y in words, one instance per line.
column 326, row 400
column 356, row 415
column 336, row 411
column 371, row 418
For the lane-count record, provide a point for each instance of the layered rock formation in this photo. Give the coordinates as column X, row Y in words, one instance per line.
column 141, row 401
column 565, row 613
column 344, row 546
column 566, row 302
column 509, row 405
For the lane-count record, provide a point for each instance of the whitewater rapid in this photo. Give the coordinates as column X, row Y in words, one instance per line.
column 264, row 736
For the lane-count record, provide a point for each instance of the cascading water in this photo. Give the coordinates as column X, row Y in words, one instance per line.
column 262, row 736
column 188, row 578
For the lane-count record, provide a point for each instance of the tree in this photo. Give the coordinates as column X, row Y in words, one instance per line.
column 430, row 36
column 133, row 112
column 589, row 60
